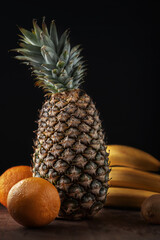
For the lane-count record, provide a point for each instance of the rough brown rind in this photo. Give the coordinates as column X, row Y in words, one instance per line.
column 70, row 152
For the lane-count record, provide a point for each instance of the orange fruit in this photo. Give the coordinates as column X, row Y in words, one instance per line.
column 10, row 177
column 33, row 202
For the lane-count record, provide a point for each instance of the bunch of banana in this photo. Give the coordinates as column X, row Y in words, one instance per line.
column 127, row 197
column 133, row 178
column 121, row 155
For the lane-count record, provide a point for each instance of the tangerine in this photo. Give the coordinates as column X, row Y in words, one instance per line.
column 10, row 177
column 33, row 202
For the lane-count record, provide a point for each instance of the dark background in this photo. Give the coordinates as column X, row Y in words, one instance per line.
column 121, row 42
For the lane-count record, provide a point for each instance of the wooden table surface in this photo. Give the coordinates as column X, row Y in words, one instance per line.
column 110, row 224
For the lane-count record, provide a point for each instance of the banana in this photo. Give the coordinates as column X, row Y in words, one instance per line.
column 133, row 178
column 126, row 197
column 120, row 155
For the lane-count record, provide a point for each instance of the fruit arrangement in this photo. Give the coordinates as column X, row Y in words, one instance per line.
column 132, row 179
column 70, row 176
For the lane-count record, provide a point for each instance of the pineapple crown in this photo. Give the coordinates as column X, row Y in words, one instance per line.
column 56, row 66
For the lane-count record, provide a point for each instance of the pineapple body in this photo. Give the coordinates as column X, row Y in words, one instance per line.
column 70, row 153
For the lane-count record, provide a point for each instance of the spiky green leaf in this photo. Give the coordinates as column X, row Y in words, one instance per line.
column 53, row 34
column 30, row 37
column 56, row 66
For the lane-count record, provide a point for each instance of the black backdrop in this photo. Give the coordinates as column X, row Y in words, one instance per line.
column 121, row 45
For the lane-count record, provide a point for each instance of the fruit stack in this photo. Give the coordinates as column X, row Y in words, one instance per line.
column 133, row 178
column 70, row 163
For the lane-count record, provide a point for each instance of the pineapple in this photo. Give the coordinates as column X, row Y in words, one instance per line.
column 69, row 147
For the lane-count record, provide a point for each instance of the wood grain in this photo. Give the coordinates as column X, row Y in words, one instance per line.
column 110, row 224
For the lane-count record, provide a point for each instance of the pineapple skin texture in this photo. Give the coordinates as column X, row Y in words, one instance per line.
column 70, row 152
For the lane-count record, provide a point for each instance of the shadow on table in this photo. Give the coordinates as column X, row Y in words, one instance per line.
column 109, row 223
